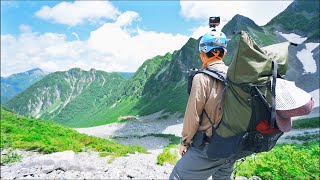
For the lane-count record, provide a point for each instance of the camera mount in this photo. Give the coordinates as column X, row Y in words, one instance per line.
column 214, row 22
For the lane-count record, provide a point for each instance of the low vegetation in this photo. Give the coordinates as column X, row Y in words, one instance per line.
column 18, row 132
column 306, row 123
column 169, row 153
column 11, row 157
column 287, row 161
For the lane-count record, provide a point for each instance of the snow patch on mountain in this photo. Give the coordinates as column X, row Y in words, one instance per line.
column 174, row 129
column 294, row 38
column 306, row 58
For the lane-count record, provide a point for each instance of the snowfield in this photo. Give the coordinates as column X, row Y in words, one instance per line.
column 306, row 58
column 174, row 129
column 305, row 55
column 294, row 38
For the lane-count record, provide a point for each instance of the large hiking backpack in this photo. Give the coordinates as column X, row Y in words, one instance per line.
column 249, row 119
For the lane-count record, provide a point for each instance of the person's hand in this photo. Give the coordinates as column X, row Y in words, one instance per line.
column 183, row 149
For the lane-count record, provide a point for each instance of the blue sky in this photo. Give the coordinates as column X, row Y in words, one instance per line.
column 109, row 35
column 153, row 18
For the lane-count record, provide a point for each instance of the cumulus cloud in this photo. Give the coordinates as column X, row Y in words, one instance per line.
column 127, row 18
column 75, row 13
column 49, row 51
column 200, row 31
column 111, row 47
column 259, row 11
column 25, row 28
column 131, row 48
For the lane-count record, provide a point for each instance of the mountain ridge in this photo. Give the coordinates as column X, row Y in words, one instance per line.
column 59, row 93
column 16, row 83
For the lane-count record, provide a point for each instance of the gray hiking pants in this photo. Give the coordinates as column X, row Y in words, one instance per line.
column 195, row 164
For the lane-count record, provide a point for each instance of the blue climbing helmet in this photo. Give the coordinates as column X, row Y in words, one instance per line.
column 212, row 40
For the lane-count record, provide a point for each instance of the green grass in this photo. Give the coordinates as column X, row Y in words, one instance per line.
column 284, row 162
column 306, row 123
column 10, row 158
column 169, row 153
column 288, row 161
column 18, row 132
column 167, row 156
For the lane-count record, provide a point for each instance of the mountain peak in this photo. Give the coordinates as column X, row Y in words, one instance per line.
column 36, row 72
column 34, row 69
column 310, row 6
column 238, row 23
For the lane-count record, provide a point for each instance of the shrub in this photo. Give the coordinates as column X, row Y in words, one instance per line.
column 167, row 156
column 10, row 158
column 284, row 162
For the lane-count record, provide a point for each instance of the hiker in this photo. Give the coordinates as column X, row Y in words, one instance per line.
column 204, row 110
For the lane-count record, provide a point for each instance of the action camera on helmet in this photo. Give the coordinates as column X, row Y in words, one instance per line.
column 214, row 22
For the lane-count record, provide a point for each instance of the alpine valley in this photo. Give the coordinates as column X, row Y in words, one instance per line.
column 79, row 98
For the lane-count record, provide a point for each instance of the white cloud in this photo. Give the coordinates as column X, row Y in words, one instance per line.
column 127, row 18
column 75, row 13
column 200, row 31
column 25, row 28
column 131, row 48
column 260, row 12
column 112, row 47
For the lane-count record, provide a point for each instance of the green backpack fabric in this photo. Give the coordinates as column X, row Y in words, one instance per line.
column 251, row 65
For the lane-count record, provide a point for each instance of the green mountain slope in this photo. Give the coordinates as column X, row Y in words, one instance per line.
column 70, row 97
column 16, row 83
column 163, row 88
column 134, row 89
column 167, row 90
column 301, row 17
column 48, row 137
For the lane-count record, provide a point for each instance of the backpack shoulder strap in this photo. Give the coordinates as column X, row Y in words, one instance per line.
column 214, row 73
column 219, row 75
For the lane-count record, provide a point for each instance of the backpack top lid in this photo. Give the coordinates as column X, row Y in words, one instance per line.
column 279, row 53
column 252, row 64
